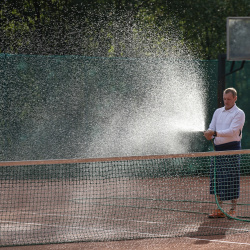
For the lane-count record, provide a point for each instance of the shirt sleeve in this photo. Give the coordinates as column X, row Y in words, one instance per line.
column 235, row 126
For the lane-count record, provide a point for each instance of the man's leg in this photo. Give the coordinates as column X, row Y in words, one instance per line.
column 219, row 201
column 217, row 212
column 234, row 204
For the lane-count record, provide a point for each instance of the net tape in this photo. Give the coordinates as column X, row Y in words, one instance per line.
column 118, row 198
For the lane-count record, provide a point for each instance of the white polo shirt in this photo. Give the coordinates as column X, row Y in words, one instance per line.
column 228, row 124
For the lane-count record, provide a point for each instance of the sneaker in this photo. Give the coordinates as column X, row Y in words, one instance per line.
column 232, row 213
column 216, row 214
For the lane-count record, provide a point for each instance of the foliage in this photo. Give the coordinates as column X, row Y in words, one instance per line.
column 203, row 22
column 90, row 27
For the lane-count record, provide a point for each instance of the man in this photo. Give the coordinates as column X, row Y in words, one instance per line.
column 226, row 129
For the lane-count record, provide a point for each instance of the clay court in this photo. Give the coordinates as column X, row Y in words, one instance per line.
column 118, row 205
column 237, row 241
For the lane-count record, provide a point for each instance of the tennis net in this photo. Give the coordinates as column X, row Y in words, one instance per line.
column 123, row 198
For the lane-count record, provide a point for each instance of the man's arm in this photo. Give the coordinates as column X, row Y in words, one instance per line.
column 210, row 132
column 235, row 127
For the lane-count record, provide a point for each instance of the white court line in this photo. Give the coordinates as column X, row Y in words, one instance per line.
column 110, row 231
column 125, row 231
column 221, row 241
column 115, row 231
column 136, row 221
column 95, row 229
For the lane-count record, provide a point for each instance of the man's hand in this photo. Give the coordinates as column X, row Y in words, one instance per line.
column 209, row 134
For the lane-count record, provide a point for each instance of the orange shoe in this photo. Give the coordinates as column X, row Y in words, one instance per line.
column 216, row 214
column 232, row 213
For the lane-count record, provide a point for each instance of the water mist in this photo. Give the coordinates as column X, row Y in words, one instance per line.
column 148, row 100
column 169, row 113
column 165, row 110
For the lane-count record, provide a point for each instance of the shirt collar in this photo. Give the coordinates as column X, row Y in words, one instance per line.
column 231, row 109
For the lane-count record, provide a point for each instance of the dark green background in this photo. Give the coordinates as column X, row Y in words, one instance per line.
column 48, row 103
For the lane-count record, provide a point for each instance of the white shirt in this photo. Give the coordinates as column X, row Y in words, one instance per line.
column 228, row 124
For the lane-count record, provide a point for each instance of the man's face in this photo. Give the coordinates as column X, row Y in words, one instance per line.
column 229, row 100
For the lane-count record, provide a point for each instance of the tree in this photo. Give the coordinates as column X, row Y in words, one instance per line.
column 108, row 27
column 203, row 23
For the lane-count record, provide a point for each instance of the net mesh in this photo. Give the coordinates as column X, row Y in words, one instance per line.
column 119, row 198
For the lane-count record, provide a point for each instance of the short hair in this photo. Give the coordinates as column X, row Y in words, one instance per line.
column 231, row 90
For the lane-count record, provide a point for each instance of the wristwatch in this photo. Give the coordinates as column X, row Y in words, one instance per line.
column 215, row 134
